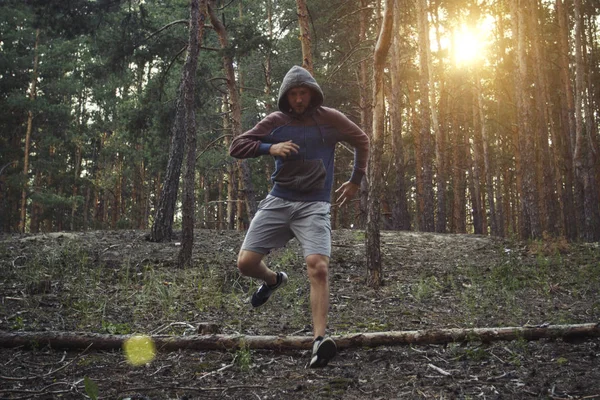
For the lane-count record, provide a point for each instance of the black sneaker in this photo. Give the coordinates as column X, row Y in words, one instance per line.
column 263, row 293
column 324, row 349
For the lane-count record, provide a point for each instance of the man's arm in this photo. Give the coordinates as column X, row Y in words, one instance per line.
column 356, row 137
column 249, row 144
column 348, row 191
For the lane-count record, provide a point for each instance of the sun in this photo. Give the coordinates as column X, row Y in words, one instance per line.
column 467, row 46
column 470, row 43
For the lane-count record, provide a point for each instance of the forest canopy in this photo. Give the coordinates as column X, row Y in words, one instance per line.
column 490, row 117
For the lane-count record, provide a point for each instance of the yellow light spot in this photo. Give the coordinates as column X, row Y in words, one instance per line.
column 139, row 349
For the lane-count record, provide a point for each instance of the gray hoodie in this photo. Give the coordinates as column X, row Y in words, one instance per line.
column 316, row 131
column 298, row 76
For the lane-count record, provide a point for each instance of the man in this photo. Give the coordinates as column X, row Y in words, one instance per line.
column 301, row 137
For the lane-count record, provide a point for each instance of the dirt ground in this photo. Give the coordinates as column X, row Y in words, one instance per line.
column 117, row 282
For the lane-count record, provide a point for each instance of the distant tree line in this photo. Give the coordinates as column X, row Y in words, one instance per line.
column 505, row 144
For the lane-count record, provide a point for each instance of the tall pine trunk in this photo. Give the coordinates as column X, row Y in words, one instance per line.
column 400, row 214
column 162, row 228
column 426, row 213
column 236, row 110
column 529, row 213
column 382, row 47
column 586, row 195
column 365, row 107
column 564, row 138
column 32, row 96
column 197, row 19
column 305, row 40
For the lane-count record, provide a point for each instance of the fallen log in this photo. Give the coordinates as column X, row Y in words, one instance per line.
column 75, row 340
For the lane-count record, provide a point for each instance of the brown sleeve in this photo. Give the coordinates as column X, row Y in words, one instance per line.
column 353, row 135
column 248, row 144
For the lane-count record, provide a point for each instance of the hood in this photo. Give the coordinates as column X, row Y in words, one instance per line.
column 298, row 76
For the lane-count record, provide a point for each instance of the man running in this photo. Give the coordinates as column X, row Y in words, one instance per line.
column 301, row 137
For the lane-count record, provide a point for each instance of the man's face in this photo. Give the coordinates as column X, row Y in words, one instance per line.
column 299, row 98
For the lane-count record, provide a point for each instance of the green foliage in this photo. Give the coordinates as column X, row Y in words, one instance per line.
column 91, row 388
column 116, row 328
column 425, row 288
column 243, row 357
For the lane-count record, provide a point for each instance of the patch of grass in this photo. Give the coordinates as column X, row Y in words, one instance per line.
column 549, row 245
column 116, row 328
column 360, row 236
column 372, row 326
column 243, row 357
column 561, row 361
column 426, row 288
column 285, row 257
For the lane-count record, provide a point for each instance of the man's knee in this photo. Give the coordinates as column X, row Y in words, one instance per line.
column 248, row 261
column 318, row 267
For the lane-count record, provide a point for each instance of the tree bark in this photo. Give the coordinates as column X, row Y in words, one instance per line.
column 441, row 218
column 197, row 19
column 586, row 196
column 235, row 108
column 32, row 96
column 564, row 138
column 365, row 108
column 400, row 214
column 424, row 173
column 162, row 228
column 476, row 179
column 549, row 218
column 70, row 340
column 375, row 171
column 268, row 65
column 529, row 213
column 305, row 40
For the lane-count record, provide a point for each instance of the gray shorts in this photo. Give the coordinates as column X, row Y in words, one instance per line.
column 277, row 221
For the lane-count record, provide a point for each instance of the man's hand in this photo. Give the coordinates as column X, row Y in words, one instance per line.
column 284, row 149
column 348, row 191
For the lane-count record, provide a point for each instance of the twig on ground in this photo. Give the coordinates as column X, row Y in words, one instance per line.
column 15, row 260
column 438, row 369
column 217, row 371
column 39, row 391
column 29, row 378
column 167, row 326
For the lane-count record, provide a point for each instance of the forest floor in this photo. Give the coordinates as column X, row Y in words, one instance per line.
column 117, row 282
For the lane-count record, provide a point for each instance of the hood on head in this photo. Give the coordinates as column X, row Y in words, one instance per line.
column 298, row 76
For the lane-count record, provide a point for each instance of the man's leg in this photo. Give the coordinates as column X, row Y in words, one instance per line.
column 318, row 275
column 324, row 348
column 251, row 264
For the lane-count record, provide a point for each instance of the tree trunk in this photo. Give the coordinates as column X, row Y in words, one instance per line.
column 459, row 185
column 267, row 65
column 162, row 228
column 198, row 16
column 382, row 47
column 440, row 223
column 529, row 213
column 74, row 189
column 425, row 174
column 232, row 173
column 117, row 191
column 32, row 96
column 400, row 215
column 305, row 40
column 549, row 215
column 487, row 167
column 476, row 180
column 236, row 109
column 593, row 153
column 94, row 341
column 365, row 108
column 586, row 196
column 564, row 138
